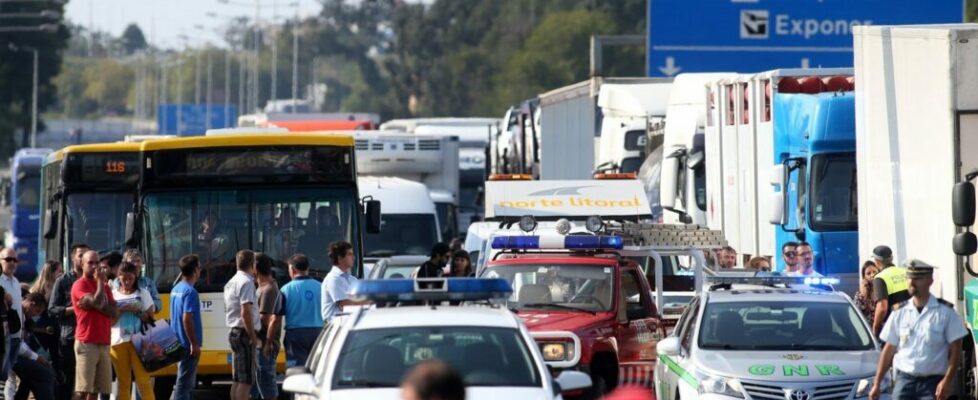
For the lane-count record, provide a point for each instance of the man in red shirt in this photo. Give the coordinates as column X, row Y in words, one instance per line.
column 94, row 310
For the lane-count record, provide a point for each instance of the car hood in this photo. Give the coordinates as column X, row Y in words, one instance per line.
column 539, row 320
column 471, row 393
column 789, row 366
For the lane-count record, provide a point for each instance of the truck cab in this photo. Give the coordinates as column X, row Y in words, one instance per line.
column 588, row 309
column 409, row 220
column 628, row 110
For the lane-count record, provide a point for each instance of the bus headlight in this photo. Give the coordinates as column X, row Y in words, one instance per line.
column 557, row 351
column 719, row 385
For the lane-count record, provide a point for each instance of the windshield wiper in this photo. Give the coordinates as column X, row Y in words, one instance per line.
column 560, row 306
column 364, row 383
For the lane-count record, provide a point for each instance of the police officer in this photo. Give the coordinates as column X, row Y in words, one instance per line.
column 923, row 342
column 889, row 286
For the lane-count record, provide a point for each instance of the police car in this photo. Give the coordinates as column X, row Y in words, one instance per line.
column 772, row 337
column 365, row 354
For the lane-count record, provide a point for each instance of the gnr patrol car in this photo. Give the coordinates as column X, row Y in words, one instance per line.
column 770, row 337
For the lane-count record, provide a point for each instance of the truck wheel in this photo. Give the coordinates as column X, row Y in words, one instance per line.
column 599, row 387
column 164, row 386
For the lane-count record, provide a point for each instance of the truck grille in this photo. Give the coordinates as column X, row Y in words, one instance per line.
column 833, row 391
column 361, row 144
column 429, row 145
column 409, row 146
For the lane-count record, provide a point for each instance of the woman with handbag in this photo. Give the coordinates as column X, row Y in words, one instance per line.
column 135, row 307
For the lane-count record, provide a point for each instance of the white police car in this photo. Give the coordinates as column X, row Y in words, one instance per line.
column 768, row 338
column 366, row 353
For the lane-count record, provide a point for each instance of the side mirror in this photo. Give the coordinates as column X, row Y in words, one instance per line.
column 777, row 176
column 131, row 229
column 965, row 244
column 668, row 346
column 963, row 204
column 776, row 213
column 298, row 380
column 668, row 182
column 50, row 224
column 5, row 187
column 573, row 380
column 373, row 216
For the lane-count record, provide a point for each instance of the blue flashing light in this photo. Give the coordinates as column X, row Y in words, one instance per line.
column 814, row 280
column 433, row 289
column 593, row 242
column 771, row 278
column 516, row 242
column 572, row 242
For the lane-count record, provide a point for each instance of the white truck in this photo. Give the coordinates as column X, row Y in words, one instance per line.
column 584, row 128
column 916, row 138
column 409, row 221
column 431, row 160
column 473, row 135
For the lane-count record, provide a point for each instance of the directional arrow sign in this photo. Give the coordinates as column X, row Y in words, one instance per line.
column 670, row 68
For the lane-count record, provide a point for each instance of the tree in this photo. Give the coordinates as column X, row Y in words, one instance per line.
column 133, row 39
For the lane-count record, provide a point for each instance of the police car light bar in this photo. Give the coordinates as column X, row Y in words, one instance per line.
column 572, row 242
column 772, row 279
column 432, row 289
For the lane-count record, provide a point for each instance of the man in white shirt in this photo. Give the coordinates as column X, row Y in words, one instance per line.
column 338, row 283
column 9, row 261
column 241, row 315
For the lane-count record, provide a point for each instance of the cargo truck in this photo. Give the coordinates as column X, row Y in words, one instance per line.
column 916, row 145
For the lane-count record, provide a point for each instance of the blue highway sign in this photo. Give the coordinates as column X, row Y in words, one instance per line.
column 191, row 119
column 758, row 35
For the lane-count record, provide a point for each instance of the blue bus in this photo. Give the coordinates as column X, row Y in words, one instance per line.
column 24, row 200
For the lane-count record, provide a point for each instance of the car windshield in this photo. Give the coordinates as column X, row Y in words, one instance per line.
column 833, row 180
column 483, row 356
column 402, row 234
column 98, row 219
column 783, row 326
column 215, row 224
column 557, row 287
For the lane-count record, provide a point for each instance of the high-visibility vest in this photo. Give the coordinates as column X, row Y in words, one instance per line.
column 895, row 279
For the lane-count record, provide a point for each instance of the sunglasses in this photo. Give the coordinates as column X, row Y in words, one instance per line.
column 791, row 253
column 9, row 259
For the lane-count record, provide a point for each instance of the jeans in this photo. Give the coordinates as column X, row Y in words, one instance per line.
column 127, row 363
column 909, row 387
column 35, row 377
column 298, row 345
column 10, row 389
column 66, row 370
column 186, row 379
column 265, row 387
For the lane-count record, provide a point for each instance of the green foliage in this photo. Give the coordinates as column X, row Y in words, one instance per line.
column 133, row 39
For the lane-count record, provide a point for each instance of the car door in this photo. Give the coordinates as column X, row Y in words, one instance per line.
column 639, row 332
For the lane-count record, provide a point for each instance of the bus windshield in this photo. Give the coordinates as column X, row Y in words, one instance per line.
column 215, row 224
column 28, row 188
column 98, row 219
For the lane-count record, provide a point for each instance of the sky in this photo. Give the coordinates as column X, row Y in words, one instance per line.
column 163, row 21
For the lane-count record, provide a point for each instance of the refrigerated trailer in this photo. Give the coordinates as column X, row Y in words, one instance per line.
column 916, row 138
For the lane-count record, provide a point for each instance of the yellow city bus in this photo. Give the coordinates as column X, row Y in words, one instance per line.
column 86, row 193
column 279, row 194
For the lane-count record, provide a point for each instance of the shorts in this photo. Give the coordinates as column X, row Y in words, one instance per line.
column 93, row 373
column 244, row 357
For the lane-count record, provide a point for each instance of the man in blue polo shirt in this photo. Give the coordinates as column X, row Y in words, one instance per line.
column 186, row 323
column 301, row 299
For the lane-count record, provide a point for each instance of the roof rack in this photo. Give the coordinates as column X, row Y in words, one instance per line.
column 668, row 237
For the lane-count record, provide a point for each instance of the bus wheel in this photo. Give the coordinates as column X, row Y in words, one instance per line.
column 164, row 386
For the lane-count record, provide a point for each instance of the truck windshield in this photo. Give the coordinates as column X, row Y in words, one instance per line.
column 215, row 224
column 98, row 219
column 28, row 188
column 784, row 326
column 559, row 287
column 402, row 234
column 482, row 356
column 833, row 192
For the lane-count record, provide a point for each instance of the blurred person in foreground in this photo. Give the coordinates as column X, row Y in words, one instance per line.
column 432, row 380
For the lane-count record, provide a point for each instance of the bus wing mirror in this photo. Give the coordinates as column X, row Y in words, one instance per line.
column 963, row 204
column 50, row 218
column 131, row 229
column 965, row 244
column 373, row 216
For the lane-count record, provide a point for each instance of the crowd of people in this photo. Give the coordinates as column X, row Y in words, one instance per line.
column 70, row 335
